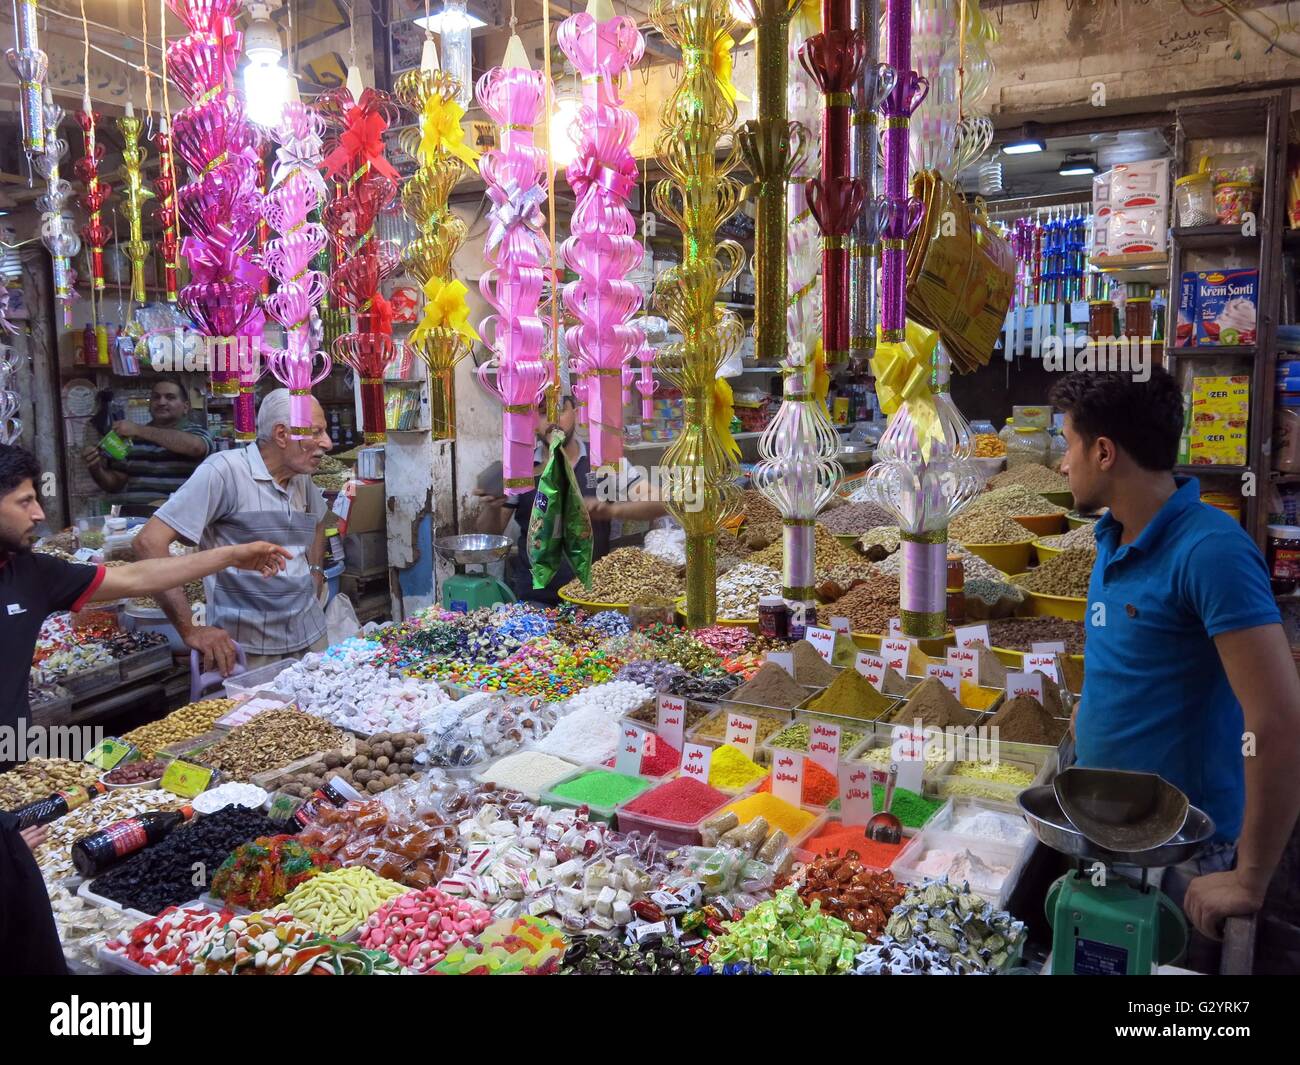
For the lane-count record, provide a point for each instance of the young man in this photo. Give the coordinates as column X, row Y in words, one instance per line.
column 1186, row 666
column 261, row 491
column 163, row 453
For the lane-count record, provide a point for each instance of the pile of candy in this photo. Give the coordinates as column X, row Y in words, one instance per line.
column 261, row 873
column 84, row 926
column 171, row 942
column 277, row 944
column 655, row 955
column 788, row 937
column 512, row 945
column 846, row 889
column 362, row 698
column 418, row 928
column 337, row 901
column 489, row 726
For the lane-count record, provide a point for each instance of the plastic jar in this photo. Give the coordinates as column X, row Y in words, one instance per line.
column 1102, row 320
column 1007, row 431
column 1028, row 445
column 1286, row 432
column 1284, row 558
column 773, row 617
column 1233, row 200
column 1194, row 196
column 1137, row 317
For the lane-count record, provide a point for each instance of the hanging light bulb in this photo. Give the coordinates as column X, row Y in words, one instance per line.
column 453, row 24
column 564, row 132
column 266, row 82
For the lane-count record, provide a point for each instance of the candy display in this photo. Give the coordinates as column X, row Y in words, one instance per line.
column 259, row 874
column 418, row 928
column 171, row 942
column 819, row 787
column 489, row 726
column 731, row 769
column 338, row 901
column 270, row 741
column 362, row 698
column 85, row 927
column 964, row 867
column 682, row 801
column 788, row 936
column 966, row 933
column 259, row 944
column 838, row 840
column 520, row 945
column 531, row 772
column 231, row 793
column 596, row 787
column 852, row 889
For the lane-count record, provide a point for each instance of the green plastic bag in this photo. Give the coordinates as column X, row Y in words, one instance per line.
column 559, row 528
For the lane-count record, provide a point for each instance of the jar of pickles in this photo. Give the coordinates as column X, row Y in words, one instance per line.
column 1028, row 445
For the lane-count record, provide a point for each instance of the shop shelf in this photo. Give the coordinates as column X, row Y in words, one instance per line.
column 93, row 681
column 1009, row 558
column 906, row 865
column 146, row 663
column 1193, row 238
column 1218, row 351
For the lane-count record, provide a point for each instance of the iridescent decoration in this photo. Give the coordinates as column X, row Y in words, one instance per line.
column 134, row 195
column 803, row 252
column 165, row 187
column 29, row 64
column 57, row 233
column 11, row 426
column 94, row 234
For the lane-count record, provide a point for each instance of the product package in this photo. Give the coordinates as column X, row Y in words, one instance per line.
column 1226, row 307
column 1185, row 326
column 1220, row 420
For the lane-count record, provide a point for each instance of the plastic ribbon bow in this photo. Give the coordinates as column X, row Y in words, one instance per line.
column 514, row 207
column 301, row 157
column 589, row 171
column 722, row 64
column 444, row 306
column 440, row 129
column 724, row 408
column 902, row 373
column 362, row 142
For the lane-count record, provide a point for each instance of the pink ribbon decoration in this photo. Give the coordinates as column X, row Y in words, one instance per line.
column 515, row 174
column 646, row 383
column 220, row 206
column 602, row 249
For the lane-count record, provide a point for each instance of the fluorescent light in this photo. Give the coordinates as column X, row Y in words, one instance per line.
column 266, row 91
column 449, row 22
column 262, row 41
column 1028, row 142
column 1078, row 166
column 565, row 133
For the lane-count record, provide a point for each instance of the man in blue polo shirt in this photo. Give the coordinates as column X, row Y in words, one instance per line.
column 1188, row 672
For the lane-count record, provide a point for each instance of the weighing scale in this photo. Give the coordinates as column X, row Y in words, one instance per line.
column 1112, row 924
column 466, row 591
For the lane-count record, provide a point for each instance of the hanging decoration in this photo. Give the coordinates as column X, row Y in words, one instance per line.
column 773, row 146
column 697, row 197
column 603, row 248
column 57, row 233
column 803, row 253
column 974, row 78
column 165, row 188
column 362, row 260
column 134, row 195
column 220, row 206
column 29, row 64
column 291, row 209
column 834, row 59
column 875, row 82
column 516, row 176
column 11, row 426
column 443, row 336
column 94, row 233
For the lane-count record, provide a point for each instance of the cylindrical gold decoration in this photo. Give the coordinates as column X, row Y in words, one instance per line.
column 135, row 193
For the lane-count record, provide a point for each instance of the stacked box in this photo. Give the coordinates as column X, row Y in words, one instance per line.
column 1220, row 420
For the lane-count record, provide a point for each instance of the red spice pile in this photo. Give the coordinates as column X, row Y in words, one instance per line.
column 659, row 758
column 840, row 839
column 682, row 801
column 820, row 786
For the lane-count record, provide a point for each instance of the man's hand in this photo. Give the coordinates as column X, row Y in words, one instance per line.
column 261, row 557
column 93, row 457
column 1213, row 898
column 125, row 429
column 216, row 646
column 34, row 836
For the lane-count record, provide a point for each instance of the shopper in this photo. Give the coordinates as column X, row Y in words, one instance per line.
column 499, row 509
column 163, row 453
column 1187, row 667
column 263, row 490
column 29, row 938
column 33, row 586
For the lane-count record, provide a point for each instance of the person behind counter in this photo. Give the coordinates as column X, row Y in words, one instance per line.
column 163, row 453
column 260, row 491
column 1186, row 663
column 499, row 509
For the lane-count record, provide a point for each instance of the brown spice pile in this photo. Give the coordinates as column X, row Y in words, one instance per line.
column 809, row 666
column 934, row 706
column 1020, row 634
column 871, row 604
column 852, row 695
column 1024, row 720
column 771, row 686
column 896, row 684
column 831, row 554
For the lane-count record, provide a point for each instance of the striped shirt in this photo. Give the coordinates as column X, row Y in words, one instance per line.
column 232, row 499
column 152, row 471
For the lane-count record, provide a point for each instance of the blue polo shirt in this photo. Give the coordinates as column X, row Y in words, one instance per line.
column 1156, row 697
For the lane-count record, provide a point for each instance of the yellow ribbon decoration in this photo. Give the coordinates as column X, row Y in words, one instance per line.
column 821, row 382
column 723, row 64
column 902, row 373
column 724, row 408
column 440, row 130
column 444, row 306
column 810, row 11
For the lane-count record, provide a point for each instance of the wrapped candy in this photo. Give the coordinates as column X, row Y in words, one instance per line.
column 788, row 937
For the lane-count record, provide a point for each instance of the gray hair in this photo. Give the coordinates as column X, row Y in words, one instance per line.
column 274, row 410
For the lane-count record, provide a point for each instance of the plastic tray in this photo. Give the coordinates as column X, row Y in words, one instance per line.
column 85, row 892
column 880, row 776
column 53, row 701
column 958, row 809
column 87, row 682
column 1005, row 793
column 111, row 962
column 820, row 817
column 905, row 866
column 236, row 718
column 597, row 813
column 693, row 735
column 255, row 679
column 804, row 855
column 146, row 663
column 864, row 730
column 670, row 833
column 484, row 775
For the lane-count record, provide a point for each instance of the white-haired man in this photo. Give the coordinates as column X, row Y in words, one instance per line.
column 260, row 492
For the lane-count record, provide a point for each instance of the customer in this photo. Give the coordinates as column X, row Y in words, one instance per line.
column 262, row 490
column 499, row 509
column 33, row 586
column 1186, row 663
column 163, row 453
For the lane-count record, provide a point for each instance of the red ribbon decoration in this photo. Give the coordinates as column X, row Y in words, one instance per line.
column 361, row 142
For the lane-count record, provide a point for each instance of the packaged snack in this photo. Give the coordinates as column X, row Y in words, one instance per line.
column 1185, row 326
column 1226, row 307
column 1220, row 420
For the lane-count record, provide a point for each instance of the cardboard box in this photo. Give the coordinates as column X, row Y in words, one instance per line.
column 1220, row 420
column 1227, row 307
column 365, row 552
column 361, row 507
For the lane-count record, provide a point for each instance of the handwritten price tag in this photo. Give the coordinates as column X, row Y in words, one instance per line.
column 109, row 754
column 1025, row 684
column 895, row 627
column 742, row 733
column 186, row 779
column 1042, row 664
column 947, row 676
column 784, row 659
column 1048, row 647
column 908, row 752
column 841, row 625
column 872, row 667
column 671, row 720
column 824, row 745
column 627, row 759
column 896, row 652
column 972, row 635
column 856, row 806
column 823, row 640
column 966, row 662
column 787, row 776
column 695, row 761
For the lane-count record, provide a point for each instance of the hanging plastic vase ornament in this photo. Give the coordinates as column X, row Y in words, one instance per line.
column 57, row 234
column 29, row 64
column 802, row 247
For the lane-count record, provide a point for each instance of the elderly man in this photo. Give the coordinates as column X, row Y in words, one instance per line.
column 260, row 492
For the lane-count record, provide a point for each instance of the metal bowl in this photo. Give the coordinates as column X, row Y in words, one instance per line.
column 474, row 548
column 1053, row 829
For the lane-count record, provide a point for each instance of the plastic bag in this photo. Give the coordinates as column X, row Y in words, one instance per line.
column 341, row 619
column 559, row 528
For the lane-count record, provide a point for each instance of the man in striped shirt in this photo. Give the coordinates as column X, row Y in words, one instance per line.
column 163, row 453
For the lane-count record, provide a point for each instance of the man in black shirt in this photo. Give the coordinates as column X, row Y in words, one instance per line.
column 33, row 586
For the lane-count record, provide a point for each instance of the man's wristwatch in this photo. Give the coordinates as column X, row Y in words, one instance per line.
column 316, row 569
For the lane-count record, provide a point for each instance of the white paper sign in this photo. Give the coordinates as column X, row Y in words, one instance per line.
column 855, row 793
column 784, row 659
column 1045, row 663
column 742, row 733
column 823, row 640
column 670, row 722
column 627, row 759
column 946, row 675
column 787, row 776
column 966, row 662
column 824, row 745
column 872, row 667
column 1025, row 684
column 907, row 750
column 895, row 626
column 841, row 625
column 1048, row 647
column 970, row 635
column 695, row 761
column 896, row 653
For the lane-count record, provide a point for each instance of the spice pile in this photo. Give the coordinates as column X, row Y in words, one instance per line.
column 810, row 669
column 628, row 575
column 933, row 705
column 988, row 527
column 870, row 605
column 1032, row 476
column 1020, row 634
column 851, row 695
column 1025, row 720
column 771, row 686
column 1067, row 574
column 1083, row 539
column 856, row 518
column 1013, row 499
